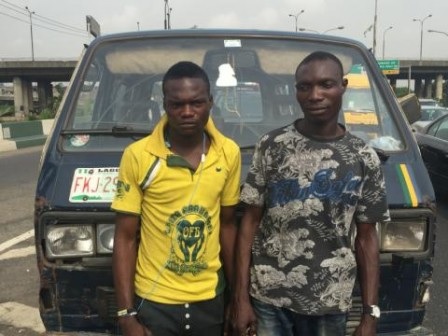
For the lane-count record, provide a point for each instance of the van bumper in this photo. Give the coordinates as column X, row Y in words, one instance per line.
column 77, row 333
column 418, row 331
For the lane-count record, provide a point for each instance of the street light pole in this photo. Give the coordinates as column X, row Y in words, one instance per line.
column 421, row 32
column 296, row 16
column 31, row 31
column 309, row 30
column 167, row 15
column 374, row 28
column 325, row 31
column 437, row 31
column 138, row 25
column 335, row 28
column 384, row 40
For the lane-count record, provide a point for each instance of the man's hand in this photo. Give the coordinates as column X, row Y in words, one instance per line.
column 130, row 326
column 228, row 328
column 367, row 326
column 244, row 319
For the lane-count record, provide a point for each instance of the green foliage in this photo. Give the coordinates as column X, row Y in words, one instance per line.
column 444, row 100
column 47, row 113
column 401, row 91
column 6, row 110
column 50, row 111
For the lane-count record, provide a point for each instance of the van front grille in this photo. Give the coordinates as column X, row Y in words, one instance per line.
column 354, row 315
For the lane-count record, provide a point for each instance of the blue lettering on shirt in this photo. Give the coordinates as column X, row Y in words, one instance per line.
column 321, row 187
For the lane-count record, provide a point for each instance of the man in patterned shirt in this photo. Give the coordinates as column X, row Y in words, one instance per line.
column 308, row 182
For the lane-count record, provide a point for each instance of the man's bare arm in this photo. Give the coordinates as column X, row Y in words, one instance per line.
column 123, row 262
column 244, row 316
column 228, row 230
column 367, row 258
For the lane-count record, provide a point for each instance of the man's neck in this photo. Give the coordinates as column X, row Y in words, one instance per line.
column 193, row 148
column 319, row 131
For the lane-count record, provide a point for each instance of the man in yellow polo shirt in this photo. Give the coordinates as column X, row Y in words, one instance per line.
column 179, row 188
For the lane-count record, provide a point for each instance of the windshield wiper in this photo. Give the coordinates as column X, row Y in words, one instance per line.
column 116, row 130
column 245, row 147
column 128, row 130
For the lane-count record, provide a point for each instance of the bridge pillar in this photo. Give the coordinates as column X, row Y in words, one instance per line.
column 439, row 87
column 393, row 83
column 418, row 87
column 428, row 88
column 44, row 93
column 23, row 96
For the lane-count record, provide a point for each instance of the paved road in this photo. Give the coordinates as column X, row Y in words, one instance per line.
column 437, row 315
column 18, row 273
column 19, row 282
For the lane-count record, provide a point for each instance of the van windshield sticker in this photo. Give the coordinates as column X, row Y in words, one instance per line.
column 79, row 140
column 232, row 43
column 94, row 185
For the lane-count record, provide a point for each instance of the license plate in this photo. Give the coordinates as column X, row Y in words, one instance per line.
column 94, row 185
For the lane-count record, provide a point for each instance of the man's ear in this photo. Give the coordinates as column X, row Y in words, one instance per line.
column 344, row 83
column 210, row 101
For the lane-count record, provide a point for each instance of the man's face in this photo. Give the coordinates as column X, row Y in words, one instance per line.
column 187, row 104
column 320, row 87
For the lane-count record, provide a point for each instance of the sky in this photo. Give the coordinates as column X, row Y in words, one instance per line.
column 59, row 26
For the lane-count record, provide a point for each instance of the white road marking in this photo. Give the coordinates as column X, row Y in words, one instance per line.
column 21, row 316
column 18, row 253
column 24, row 236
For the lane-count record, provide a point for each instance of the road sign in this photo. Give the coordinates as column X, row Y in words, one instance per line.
column 357, row 69
column 389, row 67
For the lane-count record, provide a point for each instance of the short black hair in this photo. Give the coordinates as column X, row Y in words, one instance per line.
column 185, row 69
column 321, row 56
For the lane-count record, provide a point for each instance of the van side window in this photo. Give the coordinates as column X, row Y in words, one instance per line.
column 365, row 114
column 83, row 115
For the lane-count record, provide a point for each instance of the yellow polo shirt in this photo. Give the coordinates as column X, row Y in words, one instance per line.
column 178, row 258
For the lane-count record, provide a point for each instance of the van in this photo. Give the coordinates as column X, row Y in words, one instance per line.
column 115, row 97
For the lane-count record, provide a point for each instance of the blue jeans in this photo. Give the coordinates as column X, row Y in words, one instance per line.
column 275, row 321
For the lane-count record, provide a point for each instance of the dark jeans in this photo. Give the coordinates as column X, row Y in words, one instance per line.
column 204, row 318
column 275, row 321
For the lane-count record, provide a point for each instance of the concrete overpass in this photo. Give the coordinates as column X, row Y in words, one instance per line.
column 23, row 73
column 427, row 75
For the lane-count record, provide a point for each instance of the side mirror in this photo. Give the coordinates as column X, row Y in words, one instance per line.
column 411, row 107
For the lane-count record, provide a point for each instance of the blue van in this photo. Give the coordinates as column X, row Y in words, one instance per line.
column 115, row 97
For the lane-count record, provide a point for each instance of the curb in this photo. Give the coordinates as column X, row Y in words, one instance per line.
column 12, row 137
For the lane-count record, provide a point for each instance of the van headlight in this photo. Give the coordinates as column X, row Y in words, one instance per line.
column 69, row 241
column 403, row 235
column 105, row 238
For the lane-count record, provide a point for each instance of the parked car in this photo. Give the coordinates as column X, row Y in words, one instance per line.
column 428, row 102
column 115, row 97
column 432, row 140
column 432, row 112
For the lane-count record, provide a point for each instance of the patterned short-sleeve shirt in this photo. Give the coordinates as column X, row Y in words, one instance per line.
column 312, row 191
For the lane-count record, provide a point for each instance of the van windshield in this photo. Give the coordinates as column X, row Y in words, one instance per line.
column 252, row 82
